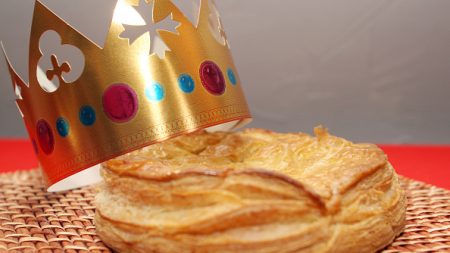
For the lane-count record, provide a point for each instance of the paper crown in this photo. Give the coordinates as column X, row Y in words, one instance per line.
column 162, row 72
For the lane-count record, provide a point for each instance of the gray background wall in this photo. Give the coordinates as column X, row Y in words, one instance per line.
column 369, row 70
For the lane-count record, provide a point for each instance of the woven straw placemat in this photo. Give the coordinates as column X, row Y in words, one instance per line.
column 32, row 220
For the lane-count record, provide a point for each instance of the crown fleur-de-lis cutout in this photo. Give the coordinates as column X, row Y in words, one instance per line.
column 18, row 93
column 150, row 28
column 59, row 63
column 57, row 70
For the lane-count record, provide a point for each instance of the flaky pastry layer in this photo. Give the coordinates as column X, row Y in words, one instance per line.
column 251, row 191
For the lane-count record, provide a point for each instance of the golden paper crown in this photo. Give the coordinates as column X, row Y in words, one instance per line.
column 160, row 74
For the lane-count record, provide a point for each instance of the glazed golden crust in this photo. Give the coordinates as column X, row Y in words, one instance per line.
column 251, row 191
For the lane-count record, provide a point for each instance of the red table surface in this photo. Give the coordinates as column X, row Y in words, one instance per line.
column 427, row 163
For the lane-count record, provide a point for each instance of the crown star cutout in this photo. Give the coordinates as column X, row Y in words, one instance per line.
column 18, row 92
column 216, row 26
column 222, row 33
column 150, row 28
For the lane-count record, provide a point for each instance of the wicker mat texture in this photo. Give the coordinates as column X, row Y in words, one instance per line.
column 32, row 220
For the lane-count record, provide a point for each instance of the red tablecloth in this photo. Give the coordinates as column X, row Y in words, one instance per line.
column 426, row 163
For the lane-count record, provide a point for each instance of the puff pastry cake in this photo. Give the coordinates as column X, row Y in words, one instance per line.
column 251, row 191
